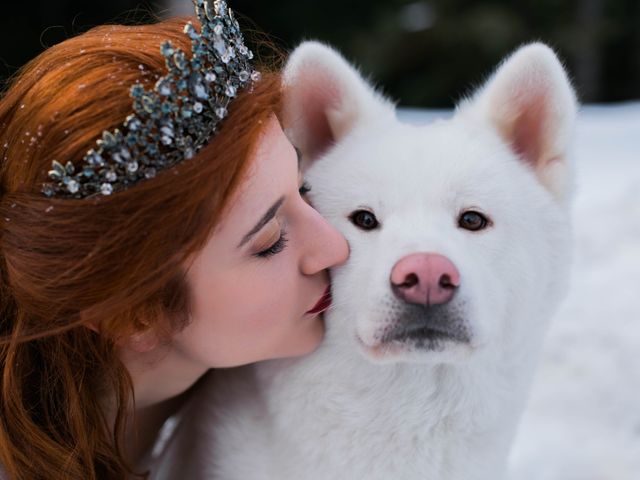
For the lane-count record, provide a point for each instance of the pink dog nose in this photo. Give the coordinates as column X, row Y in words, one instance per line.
column 425, row 279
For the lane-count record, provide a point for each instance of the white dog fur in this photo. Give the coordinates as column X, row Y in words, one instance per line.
column 359, row 409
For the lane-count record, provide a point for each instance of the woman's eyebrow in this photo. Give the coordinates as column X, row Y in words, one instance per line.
column 266, row 218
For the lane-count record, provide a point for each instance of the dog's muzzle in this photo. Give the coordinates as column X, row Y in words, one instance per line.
column 426, row 284
column 429, row 327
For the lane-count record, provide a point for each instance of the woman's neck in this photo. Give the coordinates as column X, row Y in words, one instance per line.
column 142, row 431
column 161, row 379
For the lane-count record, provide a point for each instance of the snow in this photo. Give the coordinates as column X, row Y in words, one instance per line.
column 583, row 417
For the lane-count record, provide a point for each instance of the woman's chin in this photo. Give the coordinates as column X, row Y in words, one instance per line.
column 308, row 340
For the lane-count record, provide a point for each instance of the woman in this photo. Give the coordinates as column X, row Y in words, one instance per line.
column 131, row 265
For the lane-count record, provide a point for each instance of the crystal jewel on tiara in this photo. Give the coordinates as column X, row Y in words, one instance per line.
column 172, row 121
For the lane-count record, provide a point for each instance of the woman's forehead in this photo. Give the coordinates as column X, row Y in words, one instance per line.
column 271, row 171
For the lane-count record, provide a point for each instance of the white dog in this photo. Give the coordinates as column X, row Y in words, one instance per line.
column 460, row 248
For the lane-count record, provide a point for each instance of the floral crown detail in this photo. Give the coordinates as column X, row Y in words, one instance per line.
column 172, row 121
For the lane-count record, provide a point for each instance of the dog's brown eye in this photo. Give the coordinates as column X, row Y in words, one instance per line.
column 364, row 219
column 473, row 221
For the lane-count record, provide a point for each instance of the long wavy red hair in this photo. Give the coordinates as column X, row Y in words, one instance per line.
column 117, row 261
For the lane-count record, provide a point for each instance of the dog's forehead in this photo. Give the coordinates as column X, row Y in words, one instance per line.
column 439, row 142
column 407, row 171
column 432, row 156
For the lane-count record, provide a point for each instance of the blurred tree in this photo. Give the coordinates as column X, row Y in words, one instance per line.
column 426, row 52
column 26, row 29
column 423, row 52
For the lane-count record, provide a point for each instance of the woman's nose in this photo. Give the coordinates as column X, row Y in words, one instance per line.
column 325, row 246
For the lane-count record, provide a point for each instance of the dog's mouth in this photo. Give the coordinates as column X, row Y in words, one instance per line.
column 425, row 330
column 426, row 334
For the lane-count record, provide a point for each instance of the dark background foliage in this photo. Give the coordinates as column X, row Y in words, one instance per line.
column 424, row 53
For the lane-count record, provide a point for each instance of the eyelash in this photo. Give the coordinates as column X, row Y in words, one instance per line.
column 281, row 243
column 304, row 188
column 276, row 247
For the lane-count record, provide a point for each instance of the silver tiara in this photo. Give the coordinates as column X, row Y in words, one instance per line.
column 173, row 120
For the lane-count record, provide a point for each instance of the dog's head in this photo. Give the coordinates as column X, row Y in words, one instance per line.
column 458, row 229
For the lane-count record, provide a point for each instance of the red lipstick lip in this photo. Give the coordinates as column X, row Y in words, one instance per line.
column 324, row 302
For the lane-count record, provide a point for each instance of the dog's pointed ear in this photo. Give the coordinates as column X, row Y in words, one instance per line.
column 324, row 98
column 530, row 102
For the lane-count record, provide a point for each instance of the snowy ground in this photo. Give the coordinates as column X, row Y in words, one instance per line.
column 583, row 419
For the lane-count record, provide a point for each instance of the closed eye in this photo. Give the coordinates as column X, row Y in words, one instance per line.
column 276, row 248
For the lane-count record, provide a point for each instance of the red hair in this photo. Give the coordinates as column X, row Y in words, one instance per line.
column 116, row 261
